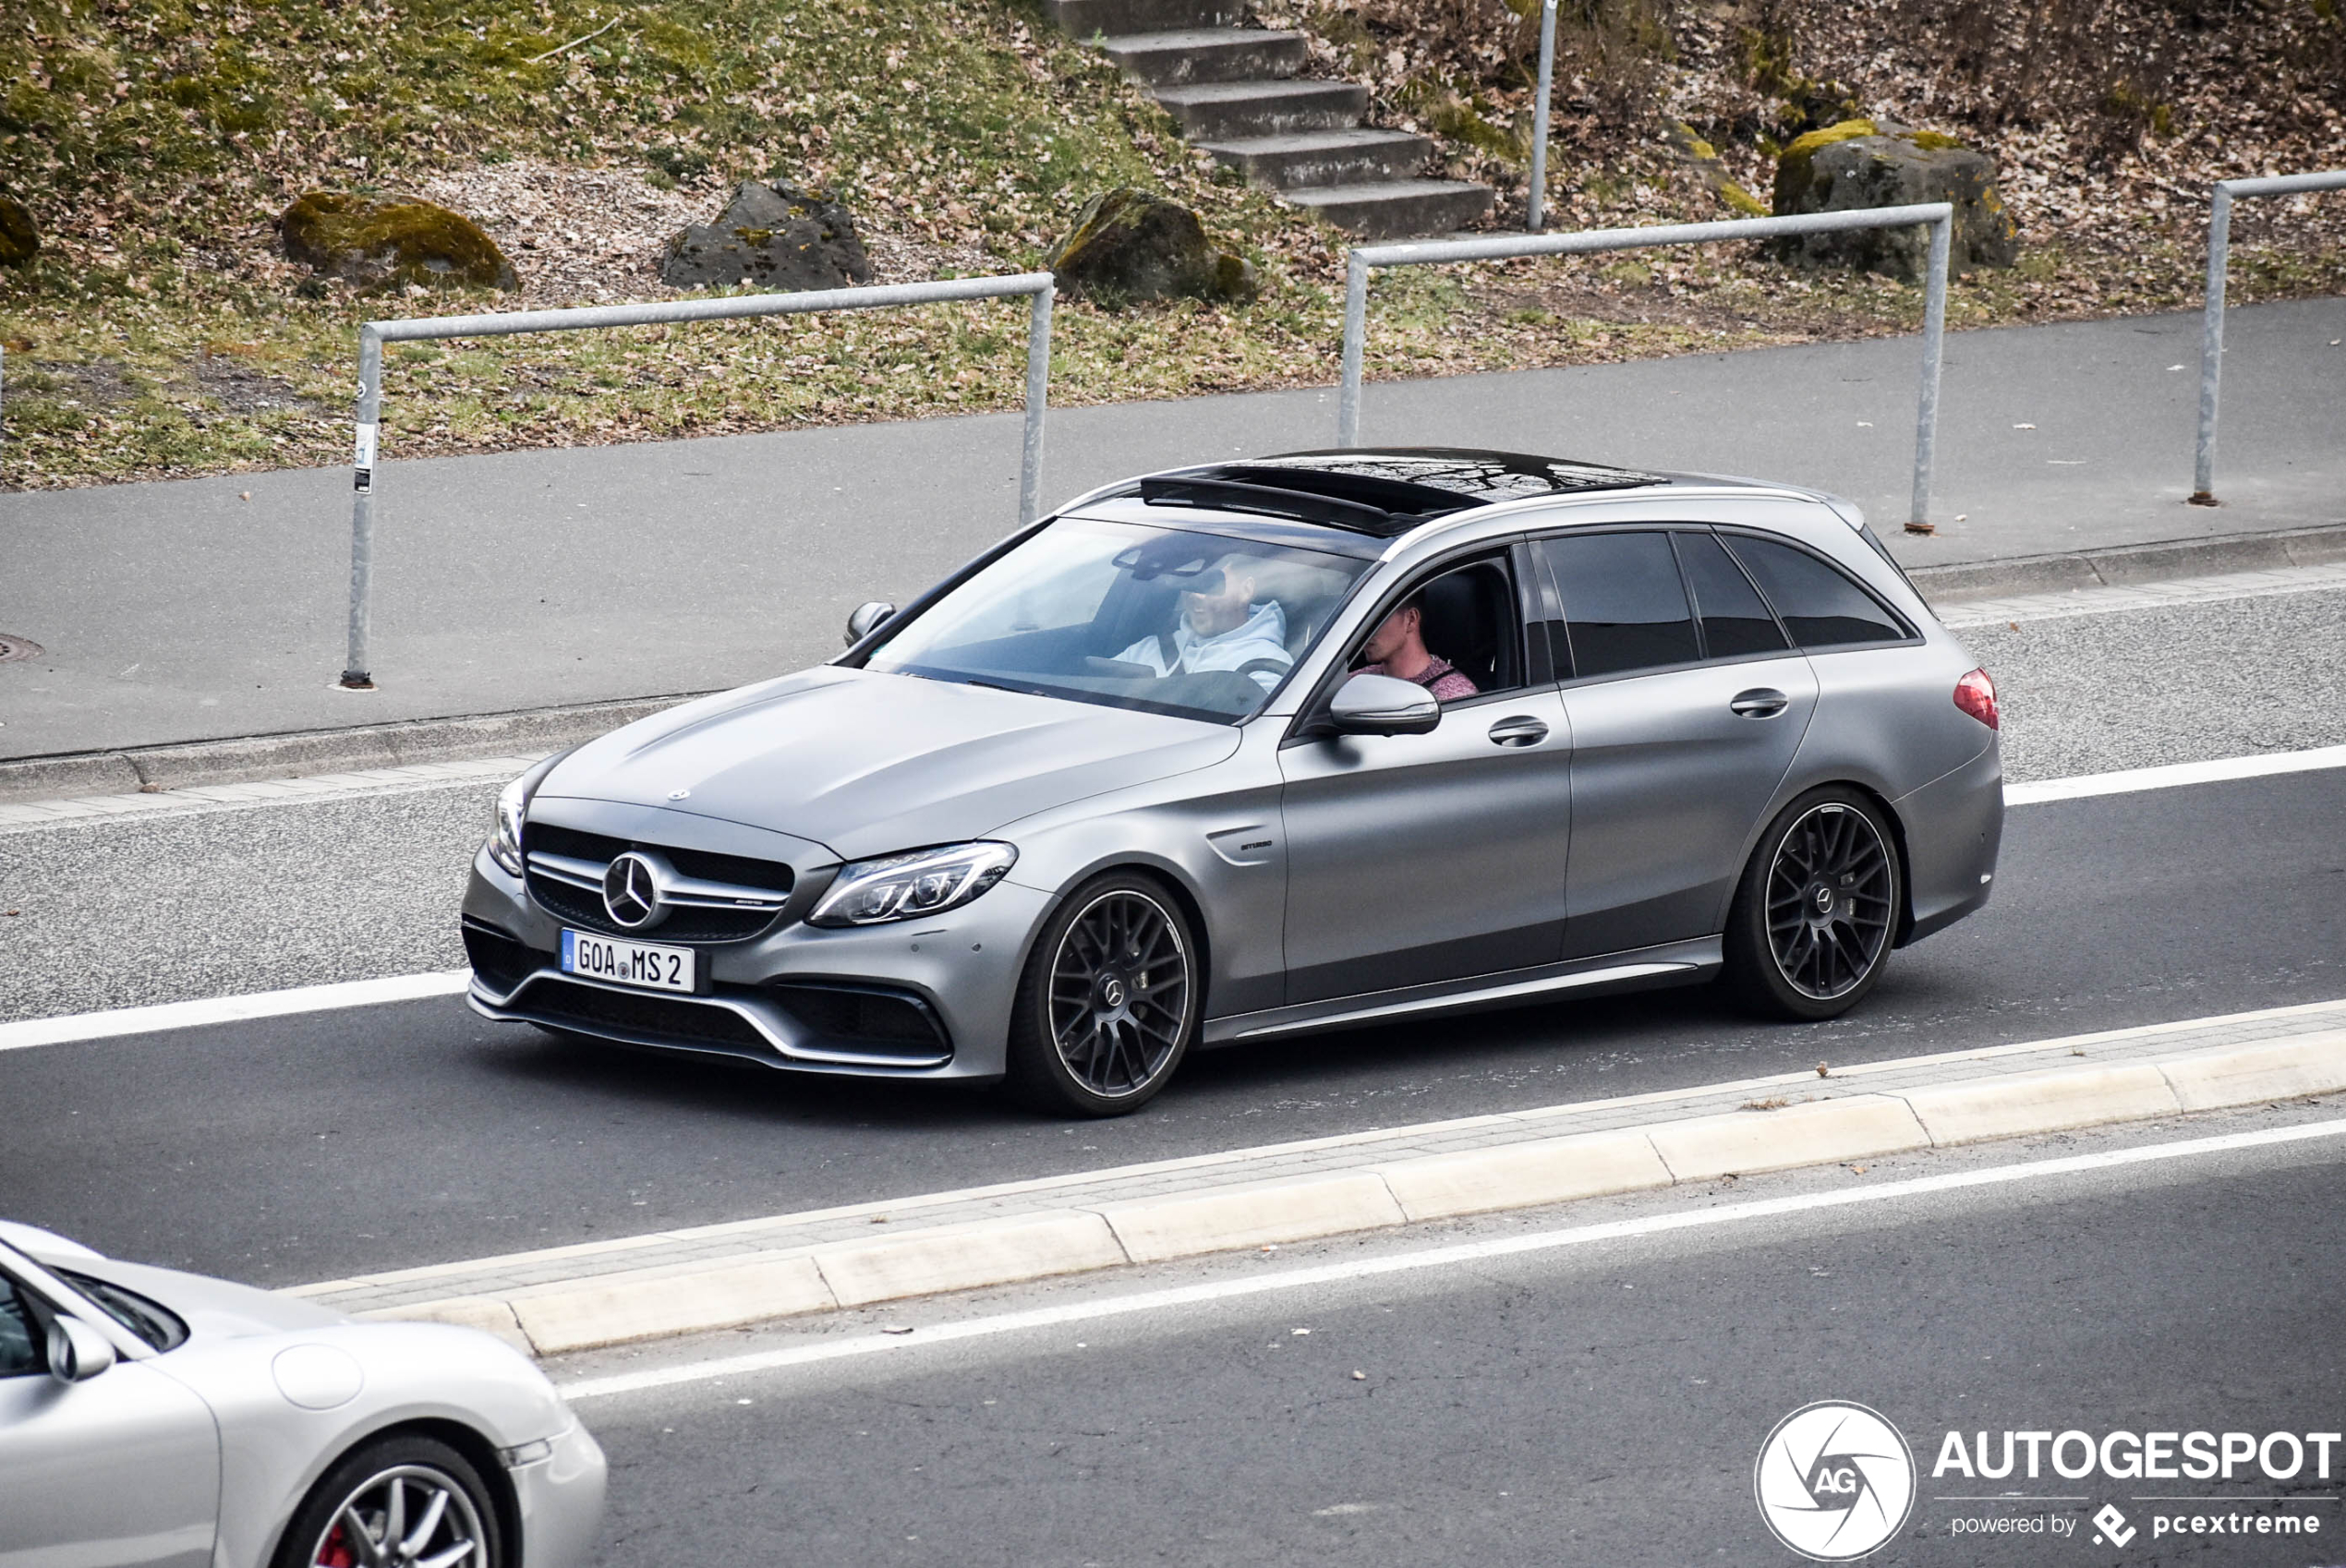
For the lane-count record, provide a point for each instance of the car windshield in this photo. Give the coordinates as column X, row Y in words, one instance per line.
column 1203, row 625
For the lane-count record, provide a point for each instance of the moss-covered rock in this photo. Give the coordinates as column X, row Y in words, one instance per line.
column 20, row 239
column 1703, row 160
column 1128, row 244
column 1864, row 163
column 390, row 244
column 772, row 236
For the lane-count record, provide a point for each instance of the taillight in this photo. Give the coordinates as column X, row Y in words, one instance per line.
column 1976, row 694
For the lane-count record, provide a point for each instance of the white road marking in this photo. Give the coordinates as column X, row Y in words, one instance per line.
column 1430, row 1258
column 406, row 987
column 231, row 1009
column 2129, row 779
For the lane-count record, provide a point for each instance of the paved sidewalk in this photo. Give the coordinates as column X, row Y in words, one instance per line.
column 568, row 1296
column 176, row 612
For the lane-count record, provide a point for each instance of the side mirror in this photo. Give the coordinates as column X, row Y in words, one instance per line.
column 866, row 620
column 77, row 1351
column 1383, row 705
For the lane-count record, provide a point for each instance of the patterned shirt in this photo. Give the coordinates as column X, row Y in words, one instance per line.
column 1439, row 675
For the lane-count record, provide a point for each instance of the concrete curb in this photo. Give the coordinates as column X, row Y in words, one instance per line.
column 303, row 753
column 553, row 1317
column 2129, row 565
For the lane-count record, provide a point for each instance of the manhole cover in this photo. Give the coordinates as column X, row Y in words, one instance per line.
column 17, row 647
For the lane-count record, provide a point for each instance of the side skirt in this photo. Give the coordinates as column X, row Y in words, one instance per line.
column 1671, row 963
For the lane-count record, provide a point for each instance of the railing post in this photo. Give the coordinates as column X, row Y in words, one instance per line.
column 356, row 669
column 1038, row 391
column 1934, row 332
column 1356, row 330
column 1535, row 207
column 2211, row 345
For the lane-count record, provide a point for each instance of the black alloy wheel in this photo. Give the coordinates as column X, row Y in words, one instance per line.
column 1817, row 912
column 1108, row 1004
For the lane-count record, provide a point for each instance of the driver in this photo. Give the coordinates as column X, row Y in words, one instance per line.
column 1218, row 626
column 1399, row 649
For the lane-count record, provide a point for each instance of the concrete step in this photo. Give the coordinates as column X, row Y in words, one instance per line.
column 1216, row 53
column 1324, row 158
column 1226, row 111
column 1396, row 209
column 1089, row 19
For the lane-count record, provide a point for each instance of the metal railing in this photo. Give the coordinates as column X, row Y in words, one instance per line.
column 2211, row 342
column 1938, row 215
column 357, row 672
column 1535, row 207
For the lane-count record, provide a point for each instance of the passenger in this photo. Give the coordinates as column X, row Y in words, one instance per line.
column 1398, row 649
column 1218, row 626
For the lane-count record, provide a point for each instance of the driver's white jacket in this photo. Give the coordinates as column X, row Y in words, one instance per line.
column 1263, row 638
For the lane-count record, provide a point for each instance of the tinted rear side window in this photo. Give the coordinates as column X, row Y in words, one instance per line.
column 1624, row 603
column 1736, row 621
column 1821, row 607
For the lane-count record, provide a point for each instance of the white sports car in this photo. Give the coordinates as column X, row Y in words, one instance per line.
column 162, row 1419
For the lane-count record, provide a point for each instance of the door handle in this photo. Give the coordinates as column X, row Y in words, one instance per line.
column 1760, row 702
column 1520, row 731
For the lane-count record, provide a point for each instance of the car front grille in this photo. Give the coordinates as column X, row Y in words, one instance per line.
column 663, row 1020
column 561, row 859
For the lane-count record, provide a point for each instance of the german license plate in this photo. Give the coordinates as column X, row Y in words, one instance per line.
column 628, row 964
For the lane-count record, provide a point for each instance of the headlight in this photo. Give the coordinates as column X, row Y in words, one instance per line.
column 504, row 844
column 924, row 882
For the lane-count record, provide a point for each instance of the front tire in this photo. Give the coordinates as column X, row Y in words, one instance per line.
column 405, row 1499
column 1816, row 914
column 1109, row 1002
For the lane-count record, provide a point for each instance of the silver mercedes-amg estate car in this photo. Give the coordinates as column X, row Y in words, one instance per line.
column 1247, row 749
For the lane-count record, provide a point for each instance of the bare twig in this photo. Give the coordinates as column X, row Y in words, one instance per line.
column 574, row 42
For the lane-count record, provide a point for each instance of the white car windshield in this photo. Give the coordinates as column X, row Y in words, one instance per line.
column 1202, row 624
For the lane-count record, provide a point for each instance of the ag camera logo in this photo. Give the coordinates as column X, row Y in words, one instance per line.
column 1834, row 1481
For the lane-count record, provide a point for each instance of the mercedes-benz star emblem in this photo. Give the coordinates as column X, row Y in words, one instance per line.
column 631, row 892
column 1113, row 993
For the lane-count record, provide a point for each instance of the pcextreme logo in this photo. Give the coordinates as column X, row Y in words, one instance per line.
column 1834, row 1481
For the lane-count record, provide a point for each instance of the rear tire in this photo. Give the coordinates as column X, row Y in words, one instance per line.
column 1816, row 914
column 1109, row 1002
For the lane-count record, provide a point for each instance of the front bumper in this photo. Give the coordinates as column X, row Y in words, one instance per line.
column 561, row 1501
column 920, row 998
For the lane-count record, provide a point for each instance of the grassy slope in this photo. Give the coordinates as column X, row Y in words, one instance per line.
column 158, row 334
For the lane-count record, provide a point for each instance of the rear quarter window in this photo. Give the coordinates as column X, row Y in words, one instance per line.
column 1821, row 605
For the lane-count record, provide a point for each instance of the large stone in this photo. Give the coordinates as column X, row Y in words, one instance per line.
column 772, row 236
column 1128, row 244
column 1862, row 163
column 19, row 240
column 390, row 244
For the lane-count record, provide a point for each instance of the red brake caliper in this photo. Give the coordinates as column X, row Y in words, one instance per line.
column 335, row 1553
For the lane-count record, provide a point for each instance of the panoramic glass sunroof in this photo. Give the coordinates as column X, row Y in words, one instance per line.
column 1479, row 476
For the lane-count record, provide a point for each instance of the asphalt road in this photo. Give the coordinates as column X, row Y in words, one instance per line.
column 118, row 912
column 1601, row 1403
column 314, row 1146
column 524, row 579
